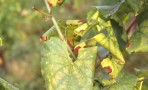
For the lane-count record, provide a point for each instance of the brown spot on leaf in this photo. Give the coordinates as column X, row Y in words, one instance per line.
column 108, row 69
column 82, row 30
column 112, row 78
column 80, row 21
column 76, row 49
column 43, row 38
column 50, row 4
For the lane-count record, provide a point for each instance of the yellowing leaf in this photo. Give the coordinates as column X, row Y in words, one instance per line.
column 95, row 16
column 112, row 65
column 81, row 30
column 111, row 44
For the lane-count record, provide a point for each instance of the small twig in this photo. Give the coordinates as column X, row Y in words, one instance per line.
column 58, row 29
column 131, row 25
column 38, row 10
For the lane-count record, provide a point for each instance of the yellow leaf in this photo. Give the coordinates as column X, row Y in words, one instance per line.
column 96, row 15
column 81, row 30
column 111, row 44
column 112, row 66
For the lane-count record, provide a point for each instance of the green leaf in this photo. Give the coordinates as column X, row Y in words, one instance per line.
column 120, row 34
column 139, row 40
column 142, row 72
column 109, row 7
column 60, row 73
column 125, row 81
column 96, row 86
column 123, row 15
column 110, row 42
column 104, row 79
column 138, row 6
column 112, row 65
column 49, row 33
column 4, row 85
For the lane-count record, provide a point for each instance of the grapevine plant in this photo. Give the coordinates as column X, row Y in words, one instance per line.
column 71, row 56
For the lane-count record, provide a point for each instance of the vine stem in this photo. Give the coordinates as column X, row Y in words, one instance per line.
column 58, row 28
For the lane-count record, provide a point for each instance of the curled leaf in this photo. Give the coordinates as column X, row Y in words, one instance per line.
column 81, row 30
column 112, row 65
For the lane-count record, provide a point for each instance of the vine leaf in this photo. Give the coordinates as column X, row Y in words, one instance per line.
column 81, row 30
column 112, row 65
column 125, row 81
column 92, row 15
column 110, row 42
column 107, row 8
column 60, row 73
column 120, row 35
column 139, row 40
column 138, row 6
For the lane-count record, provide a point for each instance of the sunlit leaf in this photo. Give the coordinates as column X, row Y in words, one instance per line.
column 60, row 73
column 81, row 30
column 92, row 15
column 109, row 41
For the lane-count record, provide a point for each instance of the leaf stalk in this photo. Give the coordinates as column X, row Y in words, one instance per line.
column 58, row 28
